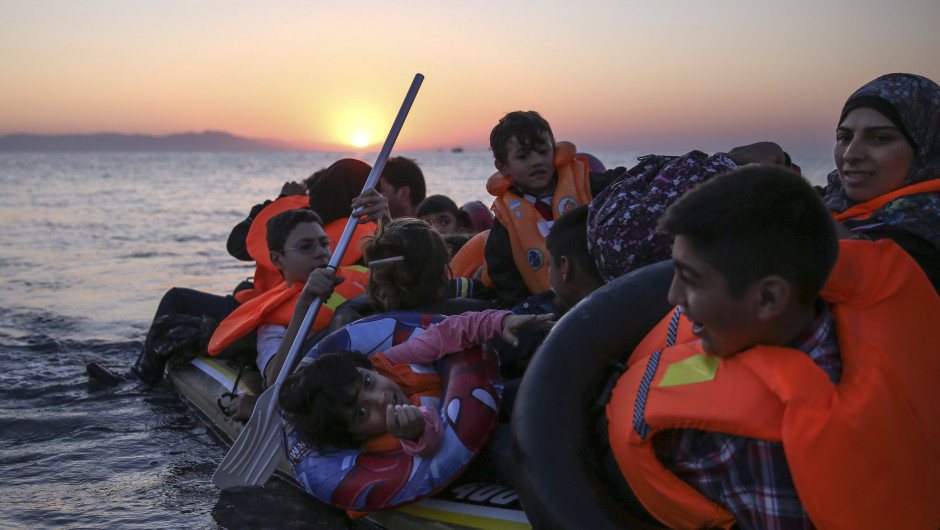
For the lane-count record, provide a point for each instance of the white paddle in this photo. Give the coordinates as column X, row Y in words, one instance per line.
column 255, row 453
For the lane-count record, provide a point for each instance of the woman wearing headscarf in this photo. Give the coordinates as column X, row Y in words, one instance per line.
column 887, row 157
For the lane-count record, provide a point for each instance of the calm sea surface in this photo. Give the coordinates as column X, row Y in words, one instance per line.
column 89, row 242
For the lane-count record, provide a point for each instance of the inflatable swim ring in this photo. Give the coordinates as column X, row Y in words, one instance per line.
column 353, row 479
column 557, row 486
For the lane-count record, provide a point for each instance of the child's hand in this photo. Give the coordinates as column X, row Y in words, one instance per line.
column 320, row 283
column 242, row 406
column 405, row 422
column 371, row 206
column 515, row 325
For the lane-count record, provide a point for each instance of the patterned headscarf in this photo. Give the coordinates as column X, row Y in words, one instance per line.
column 621, row 223
column 916, row 100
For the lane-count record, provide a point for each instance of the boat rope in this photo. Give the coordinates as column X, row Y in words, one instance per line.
column 229, row 396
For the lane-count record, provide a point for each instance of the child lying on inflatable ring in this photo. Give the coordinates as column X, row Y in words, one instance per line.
column 347, row 400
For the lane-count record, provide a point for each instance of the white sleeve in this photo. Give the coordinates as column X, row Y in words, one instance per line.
column 269, row 340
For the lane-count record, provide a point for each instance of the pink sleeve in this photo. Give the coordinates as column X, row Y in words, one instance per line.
column 432, row 438
column 453, row 334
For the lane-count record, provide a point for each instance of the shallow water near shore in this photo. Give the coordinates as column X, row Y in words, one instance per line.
column 89, row 242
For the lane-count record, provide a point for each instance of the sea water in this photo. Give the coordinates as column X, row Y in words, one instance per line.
column 89, row 242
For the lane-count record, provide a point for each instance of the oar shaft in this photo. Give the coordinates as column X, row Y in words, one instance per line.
column 345, row 239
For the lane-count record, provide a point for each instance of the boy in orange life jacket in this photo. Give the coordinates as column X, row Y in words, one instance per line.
column 530, row 194
column 301, row 252
column 741, row 405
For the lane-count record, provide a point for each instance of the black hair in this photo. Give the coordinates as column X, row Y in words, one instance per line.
column 528, row 127
column 280, row 226
column 756, row 221
column 332, row 190
column 419, row 278
column 311, row 181
column 317, row 398
column 568, row 237
column 436, row 204
column 400, row 171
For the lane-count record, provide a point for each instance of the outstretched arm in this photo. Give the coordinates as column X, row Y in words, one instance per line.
column 459, row 332
column 516, row 325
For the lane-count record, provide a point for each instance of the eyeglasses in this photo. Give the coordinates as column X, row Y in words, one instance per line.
column 309, row 246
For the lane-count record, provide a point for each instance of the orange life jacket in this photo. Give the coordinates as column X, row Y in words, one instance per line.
column 521, row 219
column 266, row 274
column 470, row 260
column 276, row 306
column 864, row 210
column 863, row 454
column 415, row 385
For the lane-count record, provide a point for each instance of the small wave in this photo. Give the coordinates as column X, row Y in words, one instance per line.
column 145, row 255
column 185, row 238
column 32, row 324
column 12, row 262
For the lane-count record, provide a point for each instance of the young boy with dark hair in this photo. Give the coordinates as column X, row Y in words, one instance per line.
column 334, row 192
column 300, row 250
column 441, row 212
column 571, row 270
column 573, row 276
column 535, row 184
column 773, row 397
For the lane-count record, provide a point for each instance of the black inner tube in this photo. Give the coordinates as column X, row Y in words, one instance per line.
column 561, row 482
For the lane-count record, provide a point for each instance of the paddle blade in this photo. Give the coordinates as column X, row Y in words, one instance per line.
column 256, row 452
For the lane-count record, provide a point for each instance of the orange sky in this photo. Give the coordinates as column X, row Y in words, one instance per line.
column 607, row 75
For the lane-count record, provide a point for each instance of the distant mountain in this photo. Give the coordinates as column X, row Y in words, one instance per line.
column 204, row 141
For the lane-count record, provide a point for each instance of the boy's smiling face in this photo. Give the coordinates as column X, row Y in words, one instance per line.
column 531, row 168
column 725, row 324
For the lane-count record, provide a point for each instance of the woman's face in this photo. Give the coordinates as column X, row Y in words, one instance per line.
column 872, row 155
